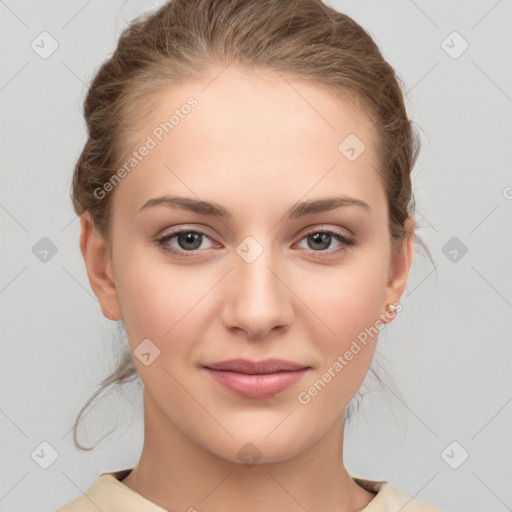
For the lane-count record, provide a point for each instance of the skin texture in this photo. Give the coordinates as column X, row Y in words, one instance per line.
column 256, row 144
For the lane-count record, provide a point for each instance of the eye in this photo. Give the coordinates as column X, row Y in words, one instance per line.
column 191, row 242
column 188, row 240
column 320, row 240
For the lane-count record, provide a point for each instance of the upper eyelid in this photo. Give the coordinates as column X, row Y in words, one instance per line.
column 178, row 231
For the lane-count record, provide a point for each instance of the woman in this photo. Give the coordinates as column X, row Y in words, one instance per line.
column 246, row 211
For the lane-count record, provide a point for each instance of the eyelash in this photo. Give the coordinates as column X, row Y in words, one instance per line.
column 346, row 243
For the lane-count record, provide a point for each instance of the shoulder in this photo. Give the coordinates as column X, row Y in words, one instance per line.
column 389, row 498
column 109, row 494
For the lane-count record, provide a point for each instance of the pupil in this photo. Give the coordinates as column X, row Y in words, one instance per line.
column 191, row 238
column 322, row 238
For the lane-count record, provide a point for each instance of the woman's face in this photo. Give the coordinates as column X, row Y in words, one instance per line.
column 260, row 282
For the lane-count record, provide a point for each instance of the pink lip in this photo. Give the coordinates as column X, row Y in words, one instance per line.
column 256, row 379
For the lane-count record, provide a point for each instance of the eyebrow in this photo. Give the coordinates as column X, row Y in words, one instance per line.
column 212, row 209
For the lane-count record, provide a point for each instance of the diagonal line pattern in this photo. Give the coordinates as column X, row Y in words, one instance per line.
column 416, row 494
column 509, row 508
column 487, row 423
column 14, row 76
column 217, row 486
column 90, row 409
column 76, row 14
column 168, row 168
column 14, row 485
column 424, row 76
column 303, row 98
column 426, row 220
column 286, row 491
column 12, row 280
column 93, row 297
column 83, row 493
column 282, row 421
column 301, row 300
column 74, row 73
column 19, row 19
column 216, row 76
column 207, row 292
column 424, row 279
column 488, row 282
column 16, row 425
column 492, row 81
column 424, row 14
column 80, row 284
column 14, row 218
column 305, row 194
column 486, row 14
column 424, row 423
column 68, row 224
column 196, row 400
column 484, row 218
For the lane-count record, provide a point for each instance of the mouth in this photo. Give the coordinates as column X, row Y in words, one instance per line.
column 256, row 379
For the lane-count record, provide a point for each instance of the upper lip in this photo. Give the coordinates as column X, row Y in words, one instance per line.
column 256, row 367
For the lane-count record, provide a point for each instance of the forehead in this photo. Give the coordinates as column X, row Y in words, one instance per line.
column 260, row 103
column 253, row 133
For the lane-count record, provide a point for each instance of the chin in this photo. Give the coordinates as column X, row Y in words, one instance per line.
column 252, row 446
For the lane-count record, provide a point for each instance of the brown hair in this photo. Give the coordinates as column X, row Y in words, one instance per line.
column 188, row 39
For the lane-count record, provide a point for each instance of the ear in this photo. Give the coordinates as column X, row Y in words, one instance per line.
column 400, row 265
column 99, row 268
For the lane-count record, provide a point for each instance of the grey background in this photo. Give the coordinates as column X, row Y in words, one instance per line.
column 449, row 351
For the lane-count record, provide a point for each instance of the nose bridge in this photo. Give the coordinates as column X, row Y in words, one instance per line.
column 259, row 299
column 256, row 270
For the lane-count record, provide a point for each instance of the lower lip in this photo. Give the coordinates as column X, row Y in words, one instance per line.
column 256, row 386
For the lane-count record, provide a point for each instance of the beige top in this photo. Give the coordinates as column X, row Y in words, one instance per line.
column 109, row 494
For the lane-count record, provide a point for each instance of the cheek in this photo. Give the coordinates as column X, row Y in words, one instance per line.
column 346, row 299
column 348, row 302
column 170, row 305
column 154, row 295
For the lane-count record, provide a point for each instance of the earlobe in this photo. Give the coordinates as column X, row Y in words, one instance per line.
column 400, row 266
column 99, row 268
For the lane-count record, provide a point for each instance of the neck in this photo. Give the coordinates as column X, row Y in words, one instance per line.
column 177, row 473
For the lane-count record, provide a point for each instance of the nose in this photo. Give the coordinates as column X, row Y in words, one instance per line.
column 258, row 299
